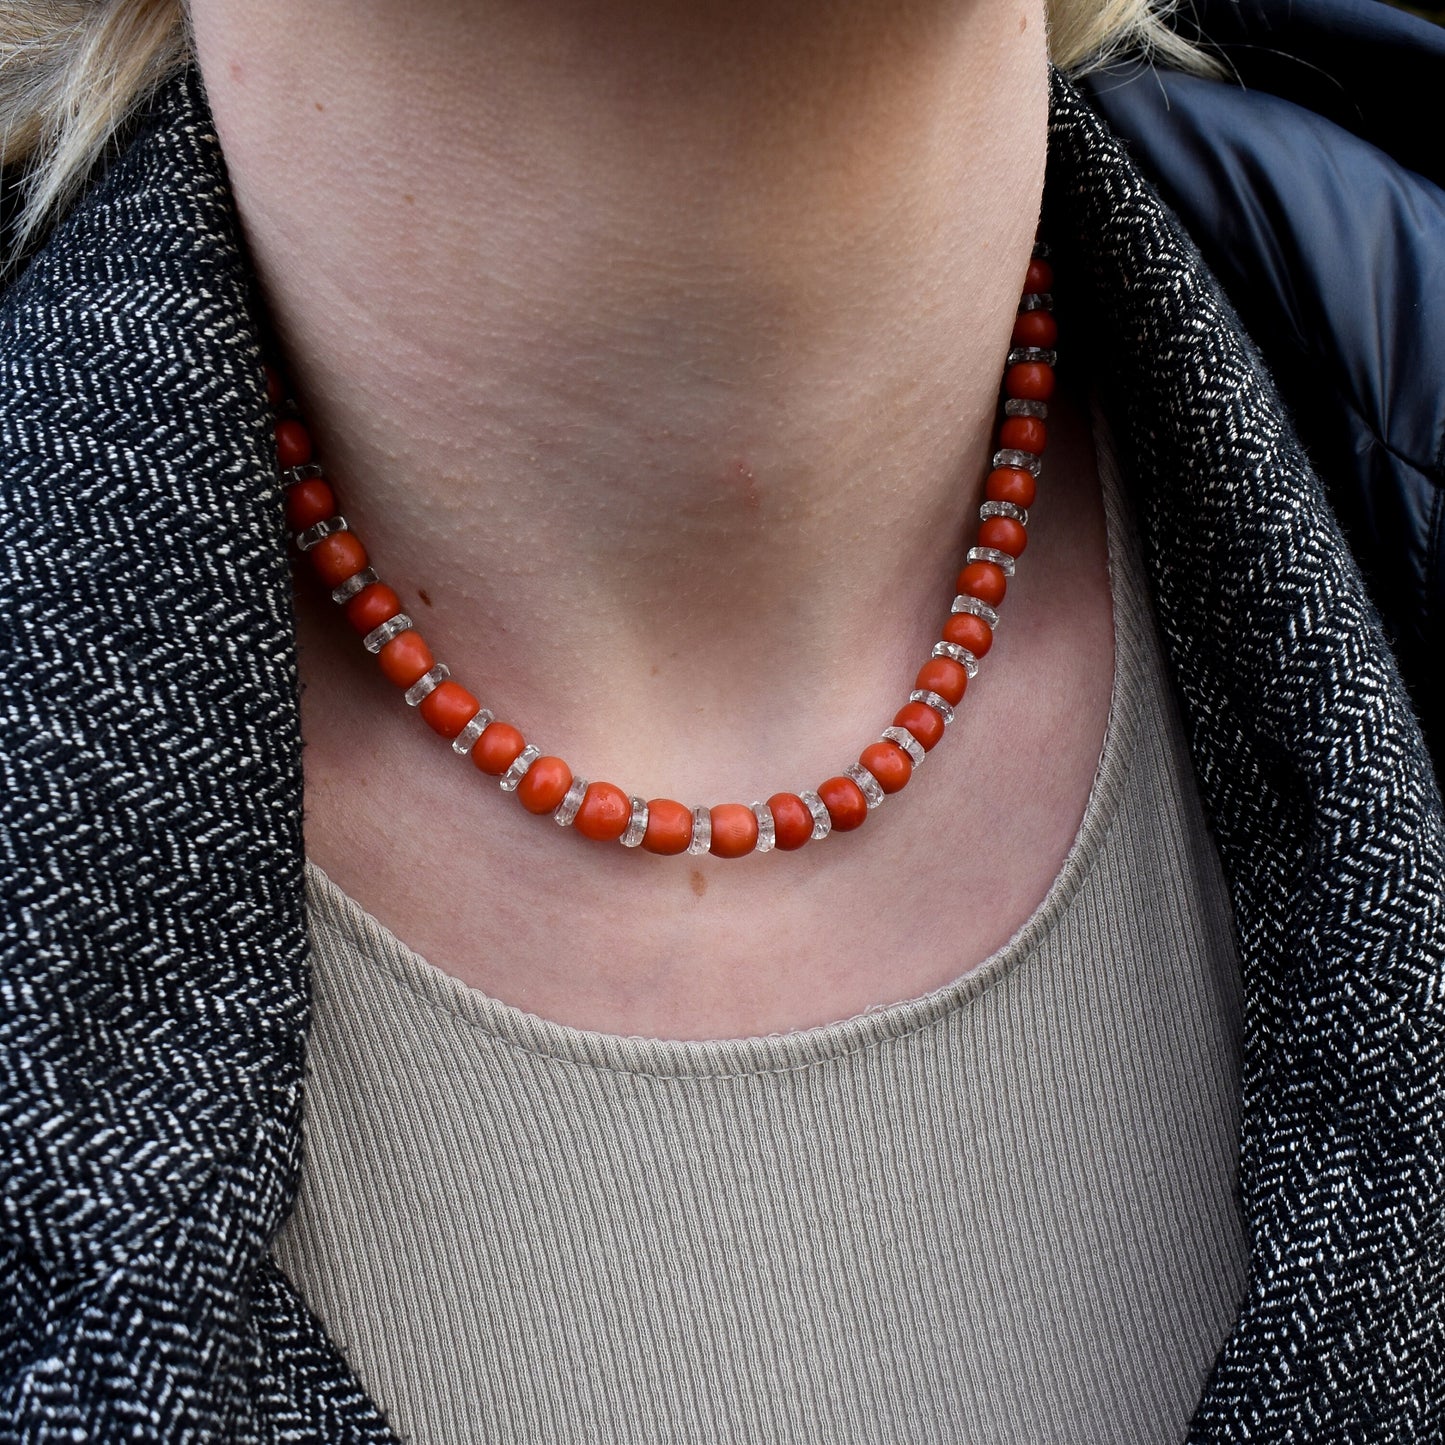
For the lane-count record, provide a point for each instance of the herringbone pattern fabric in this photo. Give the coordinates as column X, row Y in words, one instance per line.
column 152, row 1000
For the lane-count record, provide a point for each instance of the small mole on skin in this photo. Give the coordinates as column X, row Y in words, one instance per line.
column 699, row 883
column 654, row 669
column 1023, row 23
column 318, row 105
column 236, row 71
column 411, row 201
column 421, row 592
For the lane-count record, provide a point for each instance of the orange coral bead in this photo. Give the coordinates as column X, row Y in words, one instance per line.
column 844, row 800
column 1023, row 434
column 605, row 812
column 544, row 785
column 669, row 827
column 1011, row 484
column 1029, row 381
column 889, row 764
column 966, row 630
column 337, row 557
column 448, row 708
column 734, row 830
column 308, row 503
column 944, row 676
column 1040, row 276
column 1035, row 328
column 922, row 721
column 497, row 748
column 792, row 822
column 984, row 580
column 374, row 604
column 406, row 658
column 1003, row 534
column 293, row 444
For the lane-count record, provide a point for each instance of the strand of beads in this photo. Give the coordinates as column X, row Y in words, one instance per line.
column 602, row 811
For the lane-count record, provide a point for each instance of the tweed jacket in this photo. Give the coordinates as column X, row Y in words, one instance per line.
column 153, row 999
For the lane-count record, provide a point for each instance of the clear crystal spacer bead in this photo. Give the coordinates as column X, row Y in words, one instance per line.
column 1033, row 353
column 636, row 824
column 425, row 686
column 938, row 704
column 906, row 741
column 310, row 536
column 872, row 789
column 701, row 831
column 1023, row 406
column 306, row 472
column 353, row 585
column 958, row 654
column 822, row 819
column 1025, row 461
column 1004, row 509
column 964, row 603
column 466, row 740
column 565, row 813
column 378, row 637
column 514, row 775
column 1037, row 301
column 767, row 829
column 1001, row 560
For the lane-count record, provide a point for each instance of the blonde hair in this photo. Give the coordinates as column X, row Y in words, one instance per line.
column 71, row 71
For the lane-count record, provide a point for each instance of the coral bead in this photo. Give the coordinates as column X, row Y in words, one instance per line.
column 448, row 708
column 922, row 721
column 293, row 444
column 605, row 812
column 965, row 630
column 844, row 800
column 1040, row 276
column 337, row 557
column 1011, row 484
column 497, row 748
column 1003, row 534
column 669, row 826
column 1035, row 328
column 792, row 822
column 545, row 785
column 406, row 658
column 984, row 580
column 374, row 604
column 1023, row 434
column 734, row 830
column 1029, row 381
column 308, row 503
column 944, row 676
column 889, row 764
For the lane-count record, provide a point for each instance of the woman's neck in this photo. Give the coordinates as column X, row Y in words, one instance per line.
column 657, row 343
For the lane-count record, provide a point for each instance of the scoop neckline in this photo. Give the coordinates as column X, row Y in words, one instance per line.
column 331, row 909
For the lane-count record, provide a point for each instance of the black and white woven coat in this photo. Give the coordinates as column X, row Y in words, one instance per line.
column 153, row 994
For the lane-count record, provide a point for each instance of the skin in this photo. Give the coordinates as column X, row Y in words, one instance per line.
column 654, row 348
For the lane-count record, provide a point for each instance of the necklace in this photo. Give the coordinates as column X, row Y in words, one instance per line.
column 602, row 811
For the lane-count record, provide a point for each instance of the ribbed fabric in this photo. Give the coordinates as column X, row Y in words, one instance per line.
column 1001, row 1212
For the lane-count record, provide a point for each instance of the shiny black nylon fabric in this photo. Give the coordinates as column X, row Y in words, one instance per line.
column 152, row 997
column 1317, row 196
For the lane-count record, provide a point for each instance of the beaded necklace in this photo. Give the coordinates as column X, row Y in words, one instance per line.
column 604, row 812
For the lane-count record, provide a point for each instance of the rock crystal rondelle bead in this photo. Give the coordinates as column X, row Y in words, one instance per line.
column 905, row 740
column 566, row 811
column 767, row 829
column 636, row 824
column 868, row 785
column 822, row 819
column 701, row 831
column 466, row 739
column 512, row 779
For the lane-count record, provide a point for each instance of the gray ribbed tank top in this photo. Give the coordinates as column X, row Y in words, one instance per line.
column 1003, row 1212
